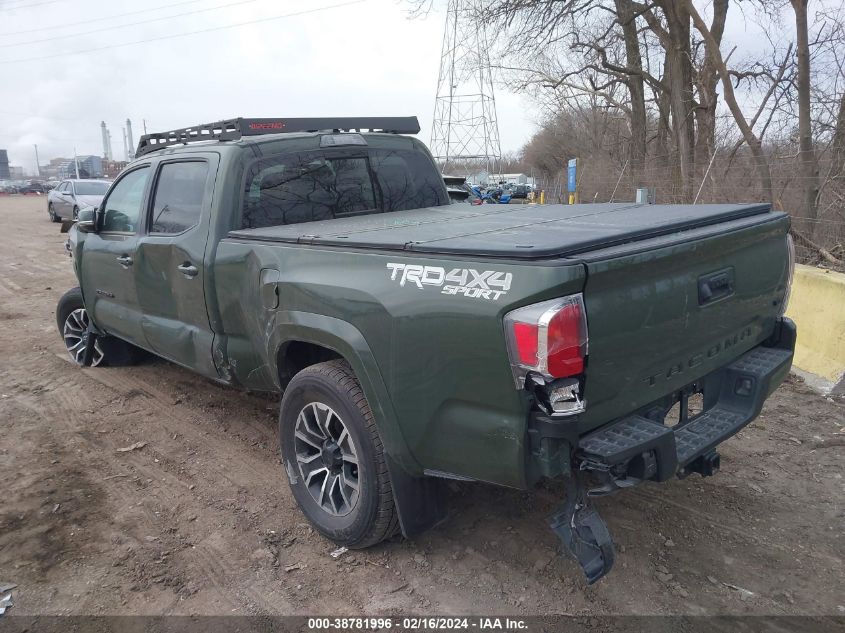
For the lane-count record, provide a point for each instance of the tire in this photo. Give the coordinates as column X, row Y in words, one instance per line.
column 52, row 213
column 72, row 320
column 327, row 397
column 75, row 213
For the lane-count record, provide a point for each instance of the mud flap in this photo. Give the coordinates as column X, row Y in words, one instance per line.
column 90, row 340
column 584, row 532
column 419, row 500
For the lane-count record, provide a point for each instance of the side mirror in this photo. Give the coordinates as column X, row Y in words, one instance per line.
column 87, row 222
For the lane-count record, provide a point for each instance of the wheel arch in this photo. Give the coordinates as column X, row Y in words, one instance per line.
column 303, row 337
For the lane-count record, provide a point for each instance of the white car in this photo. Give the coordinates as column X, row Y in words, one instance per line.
column 71, row 196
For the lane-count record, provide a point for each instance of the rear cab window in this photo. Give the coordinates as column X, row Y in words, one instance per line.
column 311, row 186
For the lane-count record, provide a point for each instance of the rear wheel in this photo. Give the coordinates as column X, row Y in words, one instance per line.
column 72, row 319
column 334, row 457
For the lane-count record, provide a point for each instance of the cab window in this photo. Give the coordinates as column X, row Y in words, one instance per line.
column 296, row 189
column 122, row 209
column 177, row 202
column 309, row 187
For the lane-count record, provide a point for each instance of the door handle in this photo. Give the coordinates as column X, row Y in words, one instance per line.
column 188, row 269
column 125, row 260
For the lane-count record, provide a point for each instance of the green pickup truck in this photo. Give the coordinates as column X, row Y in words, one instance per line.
column 416, row 341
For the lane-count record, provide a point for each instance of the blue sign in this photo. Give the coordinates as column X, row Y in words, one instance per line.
column 571, row 181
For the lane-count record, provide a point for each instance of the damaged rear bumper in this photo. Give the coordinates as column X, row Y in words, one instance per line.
column 642, row 447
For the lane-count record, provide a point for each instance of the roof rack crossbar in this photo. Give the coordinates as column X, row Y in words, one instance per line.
column 234, row 129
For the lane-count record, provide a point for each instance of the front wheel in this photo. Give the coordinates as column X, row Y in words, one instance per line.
column 52, row 213
column 72, row 319
column 334, row 457
column 76, row 213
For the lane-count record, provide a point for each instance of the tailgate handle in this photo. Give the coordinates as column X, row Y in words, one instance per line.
column 715, row 286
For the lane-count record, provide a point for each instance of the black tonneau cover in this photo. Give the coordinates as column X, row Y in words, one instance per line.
column 512, row 231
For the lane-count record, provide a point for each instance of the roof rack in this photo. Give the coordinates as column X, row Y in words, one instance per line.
column 233, row 129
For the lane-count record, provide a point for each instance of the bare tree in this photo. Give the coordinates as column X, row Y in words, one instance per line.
column 837, row 149
column 730, row 98
column 626, row 17
column 706, row 79
column 809, row 166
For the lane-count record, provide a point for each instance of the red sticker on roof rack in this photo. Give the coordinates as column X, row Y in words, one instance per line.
column 270, row 125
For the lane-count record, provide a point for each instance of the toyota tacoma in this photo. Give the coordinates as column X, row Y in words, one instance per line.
column 415, row 341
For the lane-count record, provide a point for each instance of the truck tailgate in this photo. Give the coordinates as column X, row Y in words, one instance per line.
column 665, row 311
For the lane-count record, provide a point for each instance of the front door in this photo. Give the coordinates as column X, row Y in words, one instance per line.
column 108, row 258
column 169, row 273
column 63, row 200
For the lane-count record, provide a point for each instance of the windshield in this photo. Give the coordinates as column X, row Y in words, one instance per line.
column 93, row 188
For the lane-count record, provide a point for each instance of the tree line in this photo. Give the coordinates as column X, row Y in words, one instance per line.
column 650, row 93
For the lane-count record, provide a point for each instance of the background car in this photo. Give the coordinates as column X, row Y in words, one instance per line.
column 460, row 191
column 71, row 196
column 33, row 186
column 520, row 191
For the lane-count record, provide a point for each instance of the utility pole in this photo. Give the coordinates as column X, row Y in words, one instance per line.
column 75, row 163
column 144, row 123
column 37, row 163
column 465, row 127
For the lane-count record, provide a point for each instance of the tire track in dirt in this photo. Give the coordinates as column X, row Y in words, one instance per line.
column 168, row 484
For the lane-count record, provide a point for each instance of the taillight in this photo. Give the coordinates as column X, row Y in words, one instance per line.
column 567, row 338
column 525, row 337
column 548, row 338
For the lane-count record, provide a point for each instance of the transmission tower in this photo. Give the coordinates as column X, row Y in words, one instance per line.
column 465, row 128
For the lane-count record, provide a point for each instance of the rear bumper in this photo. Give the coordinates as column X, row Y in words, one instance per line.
column 640, row 446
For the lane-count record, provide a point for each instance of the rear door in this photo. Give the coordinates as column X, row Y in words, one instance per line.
column 663, row 312
column 169, row 273
column 108, row 258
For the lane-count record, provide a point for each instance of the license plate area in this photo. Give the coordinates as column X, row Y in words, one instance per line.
column 688, row 403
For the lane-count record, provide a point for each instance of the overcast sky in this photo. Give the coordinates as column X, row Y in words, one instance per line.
column 366, row 58
column 336, row 57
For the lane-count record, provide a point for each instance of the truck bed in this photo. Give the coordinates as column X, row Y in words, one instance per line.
column 512, row 232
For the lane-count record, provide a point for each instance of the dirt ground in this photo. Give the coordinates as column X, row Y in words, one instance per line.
column 201, row 521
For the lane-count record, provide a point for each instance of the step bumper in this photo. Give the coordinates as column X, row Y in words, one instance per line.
column 733, row 396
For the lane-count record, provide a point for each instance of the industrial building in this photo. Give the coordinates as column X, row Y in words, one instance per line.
column 60, row 168
column 4, row 165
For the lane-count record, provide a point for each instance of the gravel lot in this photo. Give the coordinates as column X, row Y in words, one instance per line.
column 200, row 519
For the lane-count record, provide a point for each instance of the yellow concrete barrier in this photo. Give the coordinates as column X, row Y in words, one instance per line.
column 817, row 305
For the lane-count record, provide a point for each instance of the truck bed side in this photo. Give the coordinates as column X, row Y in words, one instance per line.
column 450, row 403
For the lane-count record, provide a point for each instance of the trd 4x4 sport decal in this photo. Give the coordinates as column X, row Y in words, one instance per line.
column 476, row 284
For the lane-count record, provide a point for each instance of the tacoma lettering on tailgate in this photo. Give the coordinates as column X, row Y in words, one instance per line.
column 696, row 359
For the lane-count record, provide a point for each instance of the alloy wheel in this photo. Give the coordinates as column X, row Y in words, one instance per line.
column 76, row 324
column 327, row 459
